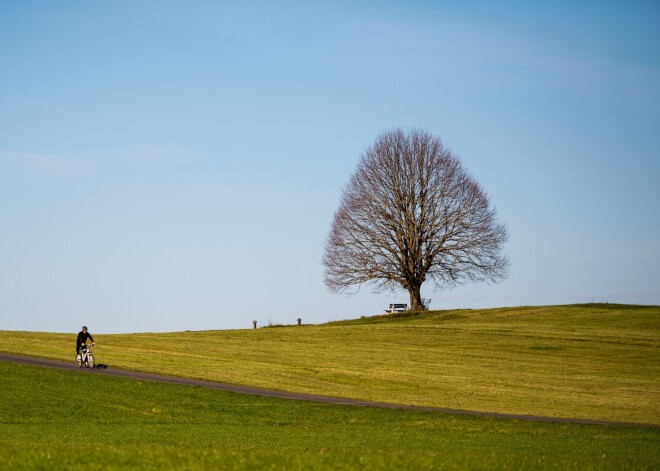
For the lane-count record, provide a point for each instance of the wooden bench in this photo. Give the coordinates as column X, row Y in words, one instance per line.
column 397, row 308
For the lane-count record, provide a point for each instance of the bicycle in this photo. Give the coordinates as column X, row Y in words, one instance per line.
column 85, row 357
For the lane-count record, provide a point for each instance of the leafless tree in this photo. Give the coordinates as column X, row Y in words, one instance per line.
column 409, row 213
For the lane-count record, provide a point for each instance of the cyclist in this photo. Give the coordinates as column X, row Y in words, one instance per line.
column 83, row 336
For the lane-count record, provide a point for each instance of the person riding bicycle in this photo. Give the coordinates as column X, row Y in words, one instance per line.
column 82, row 339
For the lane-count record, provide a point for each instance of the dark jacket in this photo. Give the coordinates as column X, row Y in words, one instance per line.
column 82, row 338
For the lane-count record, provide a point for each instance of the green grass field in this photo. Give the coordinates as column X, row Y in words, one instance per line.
column 61, row 419
column 588, row 361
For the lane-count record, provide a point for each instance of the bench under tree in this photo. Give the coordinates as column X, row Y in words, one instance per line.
column 397, row 308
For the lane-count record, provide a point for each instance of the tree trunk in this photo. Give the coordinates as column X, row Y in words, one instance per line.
column 416, row 298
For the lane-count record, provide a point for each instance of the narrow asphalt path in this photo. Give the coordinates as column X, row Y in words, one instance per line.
column 109, row 371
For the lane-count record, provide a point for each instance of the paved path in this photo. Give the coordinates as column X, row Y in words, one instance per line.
column 24, row 360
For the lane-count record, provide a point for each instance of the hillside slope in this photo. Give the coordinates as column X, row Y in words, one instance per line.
column 588, row 361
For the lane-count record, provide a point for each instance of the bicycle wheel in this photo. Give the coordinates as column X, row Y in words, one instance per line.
column 90, row 361
column 79, row 360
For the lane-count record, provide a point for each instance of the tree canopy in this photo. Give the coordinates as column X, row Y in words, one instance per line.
column 412, row 213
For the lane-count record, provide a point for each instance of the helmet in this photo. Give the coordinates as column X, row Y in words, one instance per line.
column 84, row 327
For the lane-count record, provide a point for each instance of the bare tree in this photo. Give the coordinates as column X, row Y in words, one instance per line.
column 409, row 213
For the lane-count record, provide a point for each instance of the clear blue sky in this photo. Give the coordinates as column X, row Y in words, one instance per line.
column 176, row 165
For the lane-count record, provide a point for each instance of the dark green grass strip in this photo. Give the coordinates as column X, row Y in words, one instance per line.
column 57, row 419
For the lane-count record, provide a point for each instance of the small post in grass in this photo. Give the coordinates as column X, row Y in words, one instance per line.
column 299, row 321
column 254, row 323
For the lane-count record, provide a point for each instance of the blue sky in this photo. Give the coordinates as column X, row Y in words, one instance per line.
column 176, row 165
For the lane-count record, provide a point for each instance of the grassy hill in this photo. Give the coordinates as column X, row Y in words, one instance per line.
column 586, row 361
column 65, row 419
